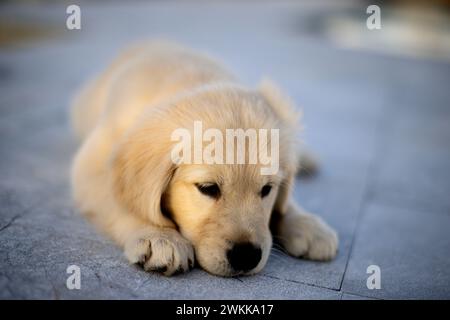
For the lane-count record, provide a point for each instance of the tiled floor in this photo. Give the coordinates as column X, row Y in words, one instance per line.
column 380, row 124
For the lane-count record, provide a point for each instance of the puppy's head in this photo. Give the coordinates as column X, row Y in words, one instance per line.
column 224, row 209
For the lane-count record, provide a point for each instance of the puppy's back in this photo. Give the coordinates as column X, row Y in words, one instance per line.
column 142, row 75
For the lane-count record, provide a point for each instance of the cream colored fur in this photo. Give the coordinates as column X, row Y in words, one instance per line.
column 124, row 181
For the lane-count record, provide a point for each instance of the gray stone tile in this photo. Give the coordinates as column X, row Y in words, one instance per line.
column 321, row 274
column 338, row 202
column 19, row 189
column 36, row 265
column 358, row 107
column 199, row 285
column 346, row 296
column 34, row 170
column 37, row 249
column 46, row 147
column 413, row 167
column 16, row 202
column 410, row 247
column 344, row 135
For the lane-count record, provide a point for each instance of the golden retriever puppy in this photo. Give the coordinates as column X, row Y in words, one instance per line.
column 130, row 176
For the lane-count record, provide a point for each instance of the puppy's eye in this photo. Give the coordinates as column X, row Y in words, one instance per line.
column 265, row 190
column 209, row 189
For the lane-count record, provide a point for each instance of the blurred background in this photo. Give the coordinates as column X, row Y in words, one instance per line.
column 376, row 111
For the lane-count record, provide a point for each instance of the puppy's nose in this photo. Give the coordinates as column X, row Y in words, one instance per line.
column 244, row 256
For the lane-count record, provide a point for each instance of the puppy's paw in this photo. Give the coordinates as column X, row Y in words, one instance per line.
column 308, row 236
column 160, row 250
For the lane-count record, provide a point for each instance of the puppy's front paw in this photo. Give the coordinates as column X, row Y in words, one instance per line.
column 160, row 250
column 308, row 236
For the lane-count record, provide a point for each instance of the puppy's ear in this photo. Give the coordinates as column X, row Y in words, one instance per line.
column 284, row 192
column 281, row 202
column 141, row 171
column 289, row 118
column 281, row 104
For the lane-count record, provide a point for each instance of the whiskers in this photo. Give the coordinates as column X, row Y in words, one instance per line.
column 278, row 252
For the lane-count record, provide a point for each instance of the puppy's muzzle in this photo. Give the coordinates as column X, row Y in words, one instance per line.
column 244, row 257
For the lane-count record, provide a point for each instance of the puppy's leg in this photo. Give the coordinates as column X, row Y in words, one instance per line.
column 158, row 249
column 304, row 235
